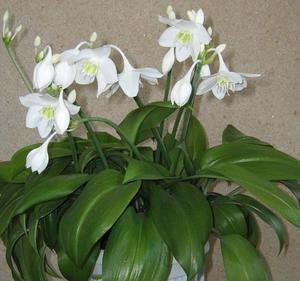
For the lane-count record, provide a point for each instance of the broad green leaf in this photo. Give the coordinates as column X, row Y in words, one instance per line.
column 265, row 214
column 196, row 142
column 184, row 221
column 73, row 272
column 263, row 190
column 86, row 156
column 241, row 260
column 5, row 171
column 94, row 212
column 231, row 134
column 146, row 117
column 229, row 219
column 50, row 189
column 135, row 251
column 264, row 161
column 253, row 230
column 145, row 170
column 294, row 187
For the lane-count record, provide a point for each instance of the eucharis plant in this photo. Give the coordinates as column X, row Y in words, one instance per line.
column 141, row 205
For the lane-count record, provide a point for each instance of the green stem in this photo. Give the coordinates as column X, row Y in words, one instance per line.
column 26, row 81
column 157, row 136
column 74, row 151
column 94, row 138
column 187, row 114
column 176, row 123
column 166, row 96
column 118, row 130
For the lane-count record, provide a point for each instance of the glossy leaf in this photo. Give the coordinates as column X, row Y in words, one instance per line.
column 241, row 260
column 294, row 187
column 142, row 255
column 146, row 117
column 253, row 230
column 145, row 170
column 196, row 142
column 265, row 214
column 264, row 161
column 183, row 220
column 229, row 219
column 94, row 212
column 263, row 190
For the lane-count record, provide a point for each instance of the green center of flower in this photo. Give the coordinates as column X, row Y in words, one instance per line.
column 223, row 81
column 47, row 112
column 90, row 68
column 184, row 36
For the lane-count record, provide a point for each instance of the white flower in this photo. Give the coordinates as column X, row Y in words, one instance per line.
column 46, row 112
column 187, row 37
column 95, row 63
column 43, row 73
column 182, row 89
column 65, row 69
column 129, row 78
column 38, row 158
column 197, row 17
column 224, row 81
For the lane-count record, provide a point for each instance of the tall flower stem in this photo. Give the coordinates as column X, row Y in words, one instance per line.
column 157, row 136
column 74, row 152
column 187, row 114
column 166, row 96
column 23, row 76
column 118, row 130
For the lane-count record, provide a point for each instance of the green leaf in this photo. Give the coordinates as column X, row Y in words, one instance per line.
column 232, row 134
column 146, row 117
column 50, row 189
column 135, row 251
column 241, row 260
column 228, row 218
column 253, row 230
column 265, row 214
column 94, row 212
column 196, row 142
column 73, row 272
column 86, row 156
column 263, row 190
column 145, row 170
column 184, row 221
column 5, row 171
column 293, row 186
column 264, row 161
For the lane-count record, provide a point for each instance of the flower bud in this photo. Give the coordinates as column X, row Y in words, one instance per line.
column 171, row 13
column 55, row 58
column 93, row 37
column 168, row 61
column 72, row 96
column 37, row 41
column 5, row 17
column 64, row 74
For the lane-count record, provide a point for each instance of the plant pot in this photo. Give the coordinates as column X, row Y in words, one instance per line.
column 176, row 274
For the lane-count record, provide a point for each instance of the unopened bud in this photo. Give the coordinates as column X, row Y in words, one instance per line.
column 221, row 48
column 209, row 30
column 72, row 96
column 37, row 41
column 39, row 56
column 19, row 28
column 93, row 37
column 191, row 15
column 171, row 13
column 5, row 17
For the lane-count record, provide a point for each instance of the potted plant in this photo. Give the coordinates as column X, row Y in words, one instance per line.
column 142, row 201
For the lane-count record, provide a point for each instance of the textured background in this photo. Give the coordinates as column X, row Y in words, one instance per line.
column 261, row 35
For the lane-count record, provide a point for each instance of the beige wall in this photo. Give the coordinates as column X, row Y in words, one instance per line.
column 262, row 36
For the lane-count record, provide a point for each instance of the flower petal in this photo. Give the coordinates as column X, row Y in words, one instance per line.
column 168, row 37
column 218, row 92
column 149, row 72
column 181, row 93
column 206, row 85
column 33, row 117
column 250, row 75
column 183, row 52
column 61, row 116
column 64, row 74
column 45, row 127
column 129, row 82
column 81, row 78
column 108, row 70
column 168, row 61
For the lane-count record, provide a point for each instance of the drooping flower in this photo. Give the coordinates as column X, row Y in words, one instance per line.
column 95, row 63
column 223, row 81
column 130, row 77
column 182, row 89
column 38, row 158
column 187, row 37
column 46, row 112
column 43, row 73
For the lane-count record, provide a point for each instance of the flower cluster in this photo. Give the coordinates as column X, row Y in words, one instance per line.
column 50, row 110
